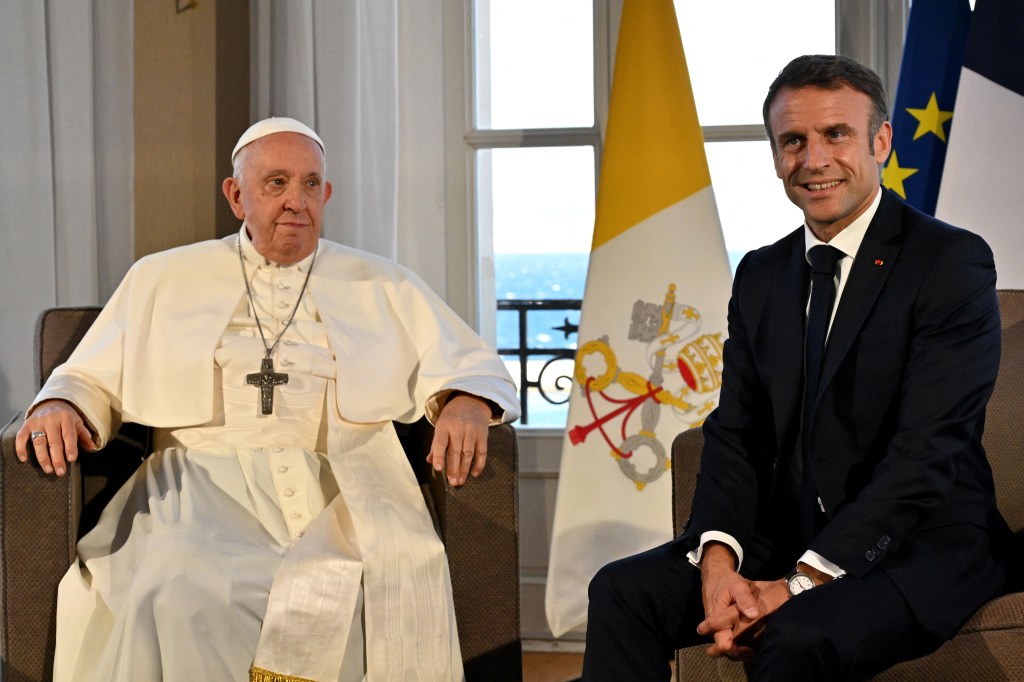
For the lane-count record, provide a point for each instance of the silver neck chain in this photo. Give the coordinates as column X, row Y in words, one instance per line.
column 295, row 308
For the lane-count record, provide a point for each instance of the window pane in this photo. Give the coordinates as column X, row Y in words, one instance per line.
column 752, row 204
column 538, row 205
column 543, row 199
column 734, row 50
column 534, row 64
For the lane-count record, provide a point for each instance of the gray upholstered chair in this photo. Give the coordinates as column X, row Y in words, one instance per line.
column 478, row 524
column 990, row 646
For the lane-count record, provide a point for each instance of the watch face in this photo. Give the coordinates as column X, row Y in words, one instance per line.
column 800, row 582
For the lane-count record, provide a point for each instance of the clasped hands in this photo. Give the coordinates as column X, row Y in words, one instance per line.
column 735, row 609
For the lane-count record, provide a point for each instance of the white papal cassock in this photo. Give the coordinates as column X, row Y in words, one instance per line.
column 296, row 543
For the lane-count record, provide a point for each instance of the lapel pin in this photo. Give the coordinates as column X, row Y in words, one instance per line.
column 879, row 262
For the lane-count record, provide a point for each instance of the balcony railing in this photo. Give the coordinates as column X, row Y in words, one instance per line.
column 544, row 369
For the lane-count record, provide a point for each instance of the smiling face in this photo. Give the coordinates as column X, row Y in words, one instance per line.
column 279, row 191
column 825, row 154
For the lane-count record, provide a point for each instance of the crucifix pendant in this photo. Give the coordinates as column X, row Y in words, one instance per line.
column 266, row 379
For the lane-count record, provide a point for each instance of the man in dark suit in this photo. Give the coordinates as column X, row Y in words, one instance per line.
column 844, row 518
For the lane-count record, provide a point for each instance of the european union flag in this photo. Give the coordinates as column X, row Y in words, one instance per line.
column 933, row 53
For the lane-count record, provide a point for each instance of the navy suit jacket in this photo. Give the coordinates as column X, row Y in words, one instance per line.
column 911, row 360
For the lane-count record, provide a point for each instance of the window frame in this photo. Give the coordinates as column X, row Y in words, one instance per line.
column 870, row 31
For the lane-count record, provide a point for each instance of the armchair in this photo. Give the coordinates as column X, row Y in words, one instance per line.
column 478, row 524
column 989, row 645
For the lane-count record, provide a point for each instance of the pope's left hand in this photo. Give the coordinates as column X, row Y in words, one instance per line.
column 460, row 438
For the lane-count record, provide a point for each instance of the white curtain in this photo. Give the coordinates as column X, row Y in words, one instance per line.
column 367, row 75
column 66, row 166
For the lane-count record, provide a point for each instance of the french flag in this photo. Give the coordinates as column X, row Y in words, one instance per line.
column 981, row 183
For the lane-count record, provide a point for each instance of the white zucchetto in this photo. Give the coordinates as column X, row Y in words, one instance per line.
column 275, row 124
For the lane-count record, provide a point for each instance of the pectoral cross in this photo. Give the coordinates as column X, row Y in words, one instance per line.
column 266, row 379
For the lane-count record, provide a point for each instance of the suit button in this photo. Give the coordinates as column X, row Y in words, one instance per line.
column 883, row 542
column 869, row 555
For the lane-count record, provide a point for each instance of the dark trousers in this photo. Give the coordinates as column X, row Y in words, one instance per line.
column 644, row 607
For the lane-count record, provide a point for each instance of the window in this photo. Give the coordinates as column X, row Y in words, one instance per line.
column 540, row 78
column 535, row 147
column 729, row 86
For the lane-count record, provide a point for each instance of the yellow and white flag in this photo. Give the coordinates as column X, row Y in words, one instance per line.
column 654, row 317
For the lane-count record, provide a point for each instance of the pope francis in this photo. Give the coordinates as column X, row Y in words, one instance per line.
column 277, row 531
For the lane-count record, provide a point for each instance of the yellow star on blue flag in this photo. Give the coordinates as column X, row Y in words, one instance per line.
column 893, row 175
column 930, row 119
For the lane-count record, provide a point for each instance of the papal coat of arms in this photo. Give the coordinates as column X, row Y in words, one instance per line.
column 683, row 377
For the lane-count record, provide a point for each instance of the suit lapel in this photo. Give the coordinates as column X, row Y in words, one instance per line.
column 875, row 258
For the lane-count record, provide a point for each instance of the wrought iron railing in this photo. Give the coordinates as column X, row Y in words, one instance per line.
column 534, row 379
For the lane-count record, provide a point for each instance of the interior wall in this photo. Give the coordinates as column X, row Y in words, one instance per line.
column 191, row 104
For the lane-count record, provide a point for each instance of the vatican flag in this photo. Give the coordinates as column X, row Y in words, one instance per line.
column 649, row 359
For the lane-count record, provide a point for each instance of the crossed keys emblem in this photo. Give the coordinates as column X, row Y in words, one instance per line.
column 685, row 376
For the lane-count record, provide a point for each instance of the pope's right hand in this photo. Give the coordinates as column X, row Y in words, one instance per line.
column 55, row 429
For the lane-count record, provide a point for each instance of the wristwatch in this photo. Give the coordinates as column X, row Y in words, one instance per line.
column 798, row 582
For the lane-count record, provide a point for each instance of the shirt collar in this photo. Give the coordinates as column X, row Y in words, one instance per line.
column 253, row 256
column 849, row 238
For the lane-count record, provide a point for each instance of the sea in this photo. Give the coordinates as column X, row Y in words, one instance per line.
column 546, row 276
column 519, row 276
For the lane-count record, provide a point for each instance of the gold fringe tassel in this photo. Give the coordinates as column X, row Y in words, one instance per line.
column 261, row 675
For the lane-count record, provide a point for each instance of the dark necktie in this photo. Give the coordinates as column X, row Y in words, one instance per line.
column 823, row 293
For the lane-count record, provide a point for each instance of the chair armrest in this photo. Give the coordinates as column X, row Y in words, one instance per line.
column 479, row 525
column 686, row 449
column 39, row 517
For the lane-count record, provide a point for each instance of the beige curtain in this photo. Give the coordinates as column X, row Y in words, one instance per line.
column 65, row 166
